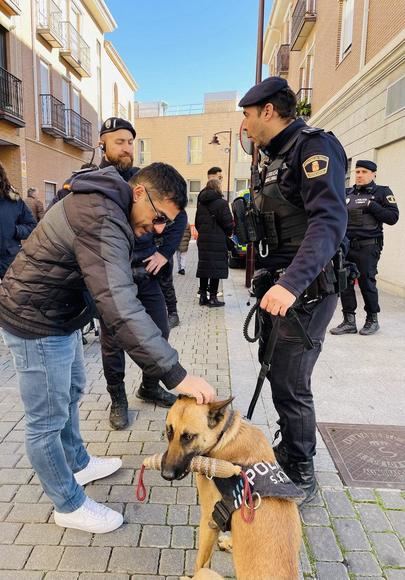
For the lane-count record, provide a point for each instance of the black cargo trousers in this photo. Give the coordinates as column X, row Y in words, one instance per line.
column 290, row 374
column 113, row 356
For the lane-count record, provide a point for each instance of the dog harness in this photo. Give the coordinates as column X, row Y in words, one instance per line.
column 265, row 480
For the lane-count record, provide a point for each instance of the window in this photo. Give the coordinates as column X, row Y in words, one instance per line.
column 346, row 33
column 241, row 184
column 76, row 101
column 66, row 93
column 395, row 97
column 194, row 150
column 99, row 89
column 3, row 53
column 50, row 192
column 348, row 172
column 194, row 186
column 144, row 151
column 44, row 81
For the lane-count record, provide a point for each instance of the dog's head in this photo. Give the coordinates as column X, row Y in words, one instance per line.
column 191, row 430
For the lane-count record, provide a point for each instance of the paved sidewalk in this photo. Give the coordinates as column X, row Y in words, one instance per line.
column 349, row 533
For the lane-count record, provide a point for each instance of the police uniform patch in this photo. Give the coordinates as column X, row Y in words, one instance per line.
column 391, row 199
column 316, row 166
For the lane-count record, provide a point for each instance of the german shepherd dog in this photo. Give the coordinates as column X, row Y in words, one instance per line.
column 268, row 547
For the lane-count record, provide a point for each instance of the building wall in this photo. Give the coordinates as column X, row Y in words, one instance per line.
column 349, row 97
column 169, row 143
column 31, row 156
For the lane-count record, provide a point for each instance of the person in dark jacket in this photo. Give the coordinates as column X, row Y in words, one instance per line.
column 214, row 223
column 302, row 205
column 16, row 222
column 116, row 140
column 369, row 207
column 36, row 206
column 85, row 243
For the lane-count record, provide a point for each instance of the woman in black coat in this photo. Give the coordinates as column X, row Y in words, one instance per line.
column 213, row 222
column 16, row 222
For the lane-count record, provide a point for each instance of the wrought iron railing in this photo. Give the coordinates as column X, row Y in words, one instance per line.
column 283, row 58
column 74, row 44
column 11, row 94
column 53, row 113
column 303, row 9
column 78, row 128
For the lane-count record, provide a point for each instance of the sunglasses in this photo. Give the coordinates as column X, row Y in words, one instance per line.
column 160, row 219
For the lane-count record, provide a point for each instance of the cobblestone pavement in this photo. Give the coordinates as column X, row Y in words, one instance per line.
column 348, row 533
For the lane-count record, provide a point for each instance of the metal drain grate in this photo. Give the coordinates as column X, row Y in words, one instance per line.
column 367, row 455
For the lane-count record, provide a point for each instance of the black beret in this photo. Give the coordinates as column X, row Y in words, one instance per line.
column 114, row 124
column 263, row 91
column 366, row 164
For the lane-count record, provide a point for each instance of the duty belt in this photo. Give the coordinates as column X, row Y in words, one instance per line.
column 356, row 243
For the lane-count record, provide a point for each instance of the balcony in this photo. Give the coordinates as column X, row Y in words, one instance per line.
column 303, row 20
column 304, row 108
column 10, row 7
column 49, row 22
column 283, row 60
column 75, row 50
column 78, row 131
column 53, row 116
column 11, row 98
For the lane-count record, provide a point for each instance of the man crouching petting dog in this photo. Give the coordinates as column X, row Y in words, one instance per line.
column 265, row 547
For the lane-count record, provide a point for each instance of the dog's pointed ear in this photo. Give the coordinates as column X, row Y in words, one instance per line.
column 217, row 410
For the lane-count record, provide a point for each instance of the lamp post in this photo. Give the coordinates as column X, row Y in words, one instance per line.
column 215, row 141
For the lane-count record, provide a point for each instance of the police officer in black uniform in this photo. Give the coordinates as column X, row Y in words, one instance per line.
column 369, row 206
column 303, row 210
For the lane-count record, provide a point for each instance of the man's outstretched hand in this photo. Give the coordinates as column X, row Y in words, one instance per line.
column 154, row 263
column 197, row 387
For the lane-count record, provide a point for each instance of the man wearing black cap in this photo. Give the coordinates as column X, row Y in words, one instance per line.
column 302, row 208
column 369, row 207
column 116, row 140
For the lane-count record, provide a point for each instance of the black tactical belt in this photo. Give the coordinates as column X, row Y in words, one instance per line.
column 355, row 243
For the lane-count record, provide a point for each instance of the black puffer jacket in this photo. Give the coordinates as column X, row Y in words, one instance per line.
column 214, row 224
column 85, row 241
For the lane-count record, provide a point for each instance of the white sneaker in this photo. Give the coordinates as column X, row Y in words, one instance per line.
column 97, row 468
column 90, row 517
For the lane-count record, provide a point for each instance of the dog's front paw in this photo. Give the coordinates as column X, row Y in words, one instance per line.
column 225, row 542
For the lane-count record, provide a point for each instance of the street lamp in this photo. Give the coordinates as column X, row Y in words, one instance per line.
column 215, row 141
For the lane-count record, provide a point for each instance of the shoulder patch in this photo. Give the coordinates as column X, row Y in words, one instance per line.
column 315, row 166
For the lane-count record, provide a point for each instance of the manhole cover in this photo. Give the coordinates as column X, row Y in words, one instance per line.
column 367, row 455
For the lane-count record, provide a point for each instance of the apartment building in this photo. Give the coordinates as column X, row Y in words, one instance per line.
column 346, row 61
column 184, row 137
column 59, row 78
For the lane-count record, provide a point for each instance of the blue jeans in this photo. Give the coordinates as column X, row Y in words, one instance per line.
column 51, row 377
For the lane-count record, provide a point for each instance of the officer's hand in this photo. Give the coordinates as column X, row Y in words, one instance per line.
column 196, row 387
column 155, row 262
column 277, row 300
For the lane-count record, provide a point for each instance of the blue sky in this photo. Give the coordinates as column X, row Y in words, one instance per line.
column 177, row 50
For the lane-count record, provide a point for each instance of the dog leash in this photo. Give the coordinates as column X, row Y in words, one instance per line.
column 293, row 317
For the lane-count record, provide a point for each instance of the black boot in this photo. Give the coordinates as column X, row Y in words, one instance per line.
column 371, row 325
column 348, row 326
column 203, row 299
column 281, row 453
column 119, row 406
column 173, row 319
column 213, row 302
column 302, row 473
column 154, row 393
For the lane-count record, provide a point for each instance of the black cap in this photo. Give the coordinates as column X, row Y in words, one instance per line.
column 263, row 91
column 366, row 164
column 114, row 124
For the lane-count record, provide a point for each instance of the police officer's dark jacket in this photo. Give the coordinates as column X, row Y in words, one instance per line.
column 85, row 241
column 370, row 207
column 306, row 174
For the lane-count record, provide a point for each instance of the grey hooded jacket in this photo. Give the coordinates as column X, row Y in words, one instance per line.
column 84, row 245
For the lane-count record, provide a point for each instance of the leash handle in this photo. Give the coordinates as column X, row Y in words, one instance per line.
column 140, row 488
